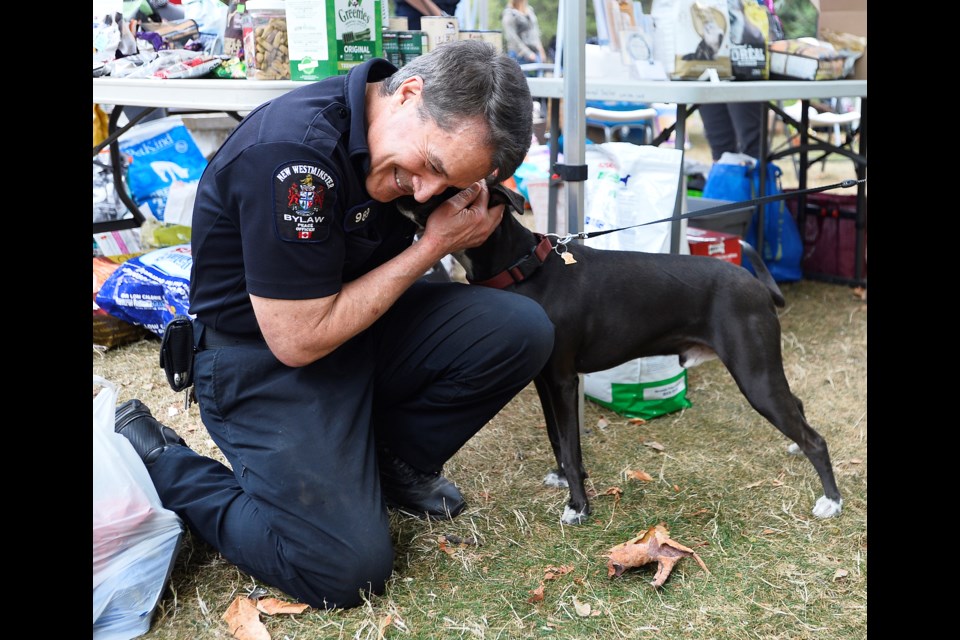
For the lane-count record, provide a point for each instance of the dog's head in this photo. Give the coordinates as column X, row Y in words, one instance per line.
column 419, row 211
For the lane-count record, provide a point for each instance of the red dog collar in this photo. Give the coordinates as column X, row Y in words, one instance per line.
column 523, row 268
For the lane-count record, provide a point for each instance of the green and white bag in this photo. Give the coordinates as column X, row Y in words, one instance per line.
column 642, row 388
column 631, row 184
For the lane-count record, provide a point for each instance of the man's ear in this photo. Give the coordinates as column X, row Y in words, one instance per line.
column 412, row 87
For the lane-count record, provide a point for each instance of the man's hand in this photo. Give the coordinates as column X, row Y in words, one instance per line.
column 463, row 221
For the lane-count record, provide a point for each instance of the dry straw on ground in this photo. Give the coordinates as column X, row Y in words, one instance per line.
column 723, row 484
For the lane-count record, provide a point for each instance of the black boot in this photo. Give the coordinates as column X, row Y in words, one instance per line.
column 148, row 437
column 425, row 495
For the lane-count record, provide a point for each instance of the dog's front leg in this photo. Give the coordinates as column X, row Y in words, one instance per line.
column 560, row 402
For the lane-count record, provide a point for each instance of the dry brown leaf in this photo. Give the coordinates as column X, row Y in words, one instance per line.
column 654, row 445
column 450, row 543
column 582, row 608
column 602, row 423
column 551, row 573
column 536, row 594
column 841, row 573
column 654, row 545
column 243, row 620
column 639, row 475
column 637, row 421
column 273, row 606
column 386, row 622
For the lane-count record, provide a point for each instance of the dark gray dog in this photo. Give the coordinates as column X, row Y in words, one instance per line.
column 695, row 307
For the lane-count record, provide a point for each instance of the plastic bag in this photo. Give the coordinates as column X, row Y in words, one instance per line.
column 159, row 153
column 135, row 540
column 150, row 289
column 632, row 184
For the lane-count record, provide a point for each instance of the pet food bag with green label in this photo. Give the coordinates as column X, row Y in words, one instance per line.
column 629, row 185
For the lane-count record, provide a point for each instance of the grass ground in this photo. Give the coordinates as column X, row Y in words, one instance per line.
column 722, row 483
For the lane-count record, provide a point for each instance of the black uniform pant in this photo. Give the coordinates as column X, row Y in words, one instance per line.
column 299, row 507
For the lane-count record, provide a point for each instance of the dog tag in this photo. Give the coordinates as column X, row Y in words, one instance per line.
column 568, row 257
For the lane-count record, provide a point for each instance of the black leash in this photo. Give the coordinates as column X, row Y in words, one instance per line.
column 730, row 206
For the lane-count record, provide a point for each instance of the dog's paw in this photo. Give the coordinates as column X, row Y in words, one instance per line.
column 572, row 516
column 827, row 508
column 794, row 449
column 554, row 479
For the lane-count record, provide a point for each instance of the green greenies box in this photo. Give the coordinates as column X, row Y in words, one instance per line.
column 329, row 38
column 400, row 47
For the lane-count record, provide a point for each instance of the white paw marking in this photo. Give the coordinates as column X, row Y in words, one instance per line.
column 553, row 480
column 827, row 508
column 573, row 517
column 794, row 449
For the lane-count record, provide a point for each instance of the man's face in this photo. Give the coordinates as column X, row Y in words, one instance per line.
column 411, row 156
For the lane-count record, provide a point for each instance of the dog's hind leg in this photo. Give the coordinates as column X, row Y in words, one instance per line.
column 559, row 399
column 761, row 378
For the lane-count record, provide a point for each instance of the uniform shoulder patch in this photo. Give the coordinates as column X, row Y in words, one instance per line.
column 304, row 195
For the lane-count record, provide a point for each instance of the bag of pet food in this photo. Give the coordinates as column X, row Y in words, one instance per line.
column 630, row 185
column 151, row 289
column 702, row 39
column 750, row 34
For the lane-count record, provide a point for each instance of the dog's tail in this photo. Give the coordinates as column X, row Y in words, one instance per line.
column 763, row 274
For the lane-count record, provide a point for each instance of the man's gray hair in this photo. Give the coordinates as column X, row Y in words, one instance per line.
column 469, row 78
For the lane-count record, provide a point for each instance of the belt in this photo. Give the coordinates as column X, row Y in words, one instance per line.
column 212, row 339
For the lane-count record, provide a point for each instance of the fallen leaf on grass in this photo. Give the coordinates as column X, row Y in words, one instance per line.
column 654, row 545
column 272, row 606
column 536, row 594
column 637, row 421
column 450, row 543
column 616, row 492
column 654, row 445
column 550, row 573
column 639, row 475
column 386, row 622
column 602, row 423
column 582, row 608
column 243, row 615
column 841, row 573
column 243, row 620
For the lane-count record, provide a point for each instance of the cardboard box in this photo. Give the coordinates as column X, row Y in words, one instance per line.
column 440, row 30
column 714, row 244
column 493, row 37
column 330, row 38
column 846, row 16
column 411, row 44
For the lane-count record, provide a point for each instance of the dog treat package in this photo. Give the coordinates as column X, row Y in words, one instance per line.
column 750, row 33
column 150, row 289
column 701, row 39
column 159, row 153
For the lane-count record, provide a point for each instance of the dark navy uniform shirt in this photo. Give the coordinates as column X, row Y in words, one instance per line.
column 282, row 210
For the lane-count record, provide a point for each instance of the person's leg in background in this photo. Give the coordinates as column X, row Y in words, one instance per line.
column 747, row 119
column 732, row 127
column 718, row 129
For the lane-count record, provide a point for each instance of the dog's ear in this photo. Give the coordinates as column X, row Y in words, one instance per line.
column 499, row 194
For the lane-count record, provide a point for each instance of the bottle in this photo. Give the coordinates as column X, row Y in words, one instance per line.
column 265, row 48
